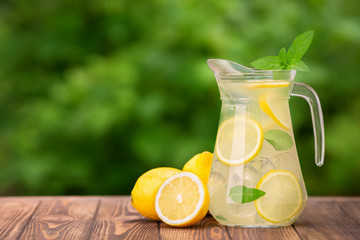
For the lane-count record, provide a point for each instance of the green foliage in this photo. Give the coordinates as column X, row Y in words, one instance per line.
column 94, row 93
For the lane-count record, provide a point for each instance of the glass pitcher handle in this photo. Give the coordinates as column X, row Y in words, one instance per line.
column 308, row 93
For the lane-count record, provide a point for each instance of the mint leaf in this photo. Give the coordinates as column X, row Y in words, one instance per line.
column 290, row 59
column 282, row 56
column 279, row 139
column 242, row 194
column 299, row 65
column 300, row 45
column 221, row 217
column 268, row 63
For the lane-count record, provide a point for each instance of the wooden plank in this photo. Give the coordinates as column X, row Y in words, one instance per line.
column 275, row 233
column 117, row 219
column 352, row 209
column 61, row 218
column 335, row 198
column 208, row 228
column 14, row 215
column 323, row 219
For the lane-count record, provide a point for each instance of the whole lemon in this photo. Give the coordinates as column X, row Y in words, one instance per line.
column 146, row 187
column 200, row 164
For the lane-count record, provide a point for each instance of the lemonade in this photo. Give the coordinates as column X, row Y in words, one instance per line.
column 255, row 177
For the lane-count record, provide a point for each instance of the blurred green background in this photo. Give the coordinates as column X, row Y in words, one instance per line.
column 94, row 93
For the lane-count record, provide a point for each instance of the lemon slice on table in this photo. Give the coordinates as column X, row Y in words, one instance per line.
column 282, row 199
column 277, row 110
column 239, row 140
column 182, row 200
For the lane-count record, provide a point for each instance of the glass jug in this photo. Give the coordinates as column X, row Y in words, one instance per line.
column 255, row 178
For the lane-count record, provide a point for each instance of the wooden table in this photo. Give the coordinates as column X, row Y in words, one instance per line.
column 114, row 218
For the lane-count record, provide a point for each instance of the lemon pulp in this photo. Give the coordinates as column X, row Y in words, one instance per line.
column 182, row 200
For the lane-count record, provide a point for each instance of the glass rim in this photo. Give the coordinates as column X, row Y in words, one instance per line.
column 231, row 70
column 264, row 75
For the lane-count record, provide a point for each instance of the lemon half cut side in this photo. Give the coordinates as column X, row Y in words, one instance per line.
column 182, row 200
column 283, row 196
column 239, row 140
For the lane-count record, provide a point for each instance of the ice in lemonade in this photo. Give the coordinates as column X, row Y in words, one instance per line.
column 255, row 177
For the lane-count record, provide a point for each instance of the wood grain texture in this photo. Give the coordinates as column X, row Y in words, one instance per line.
column 263, row 233
column 208, row 228
column 352, row 209
column 114, row 218
column 326, row 220
column 15, row 213
column 117, row 219
column 61, row 218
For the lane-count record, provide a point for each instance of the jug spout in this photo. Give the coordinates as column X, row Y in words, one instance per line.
column 225, row 67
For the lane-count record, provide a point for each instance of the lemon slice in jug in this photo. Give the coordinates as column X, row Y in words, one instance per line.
column 239, row 140
column 277, row 110
column 268, row 84
column 282, row 199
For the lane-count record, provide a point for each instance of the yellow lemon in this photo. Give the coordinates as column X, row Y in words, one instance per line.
column 145, row 189
column 182, row 200
column 282, row 199
column 239, row 140
column 200, row 164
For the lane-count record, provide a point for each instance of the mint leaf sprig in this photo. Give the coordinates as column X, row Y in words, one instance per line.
column 279, row 139
column 242, row 194
column 290, row 59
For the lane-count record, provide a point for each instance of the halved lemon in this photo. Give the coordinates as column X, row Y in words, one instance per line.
column 182, row 200
column 146, row 187
column 277, row 110
column 239, row 140
column 282, row 199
